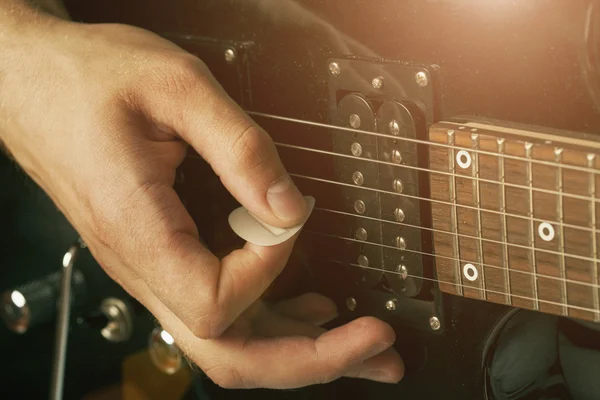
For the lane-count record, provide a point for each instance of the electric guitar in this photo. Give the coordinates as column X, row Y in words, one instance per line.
column 452, row 149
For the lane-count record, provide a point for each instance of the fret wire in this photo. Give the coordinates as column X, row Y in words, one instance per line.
column 532, row 258
column 441, row 281
column 561, row 240
column 454, row 213
column 415, row 168
column 592, row 191
column 418, row 141
column 477, row 202
column 583, row 228
column 363, row 242
column 443, row 202
column 504, row 232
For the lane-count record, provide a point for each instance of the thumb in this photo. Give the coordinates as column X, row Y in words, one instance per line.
column 239, row 151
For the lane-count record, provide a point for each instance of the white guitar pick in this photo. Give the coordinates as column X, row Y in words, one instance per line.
column 251, row 229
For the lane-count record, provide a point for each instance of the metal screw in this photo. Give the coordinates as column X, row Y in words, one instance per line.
column 391, row 305
column 399, row 215
column 398, row 186
column 360, row 206
column 435, row 323
column 358, row 178
column 422, row 79
column 402, row 270
column 363, row 261
column 377, row 82
column 396, row 156
column 351, row 303
column 401, row 243
column 356, row 149
column 360, row 234
column 354, row 121
column 334, row 69
column 394, row 127
column 230, row 56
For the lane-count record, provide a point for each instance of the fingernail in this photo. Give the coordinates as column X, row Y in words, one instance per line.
column 286, row 201
column 378, row 376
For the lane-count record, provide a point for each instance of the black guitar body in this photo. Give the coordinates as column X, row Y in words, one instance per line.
column 534, row 62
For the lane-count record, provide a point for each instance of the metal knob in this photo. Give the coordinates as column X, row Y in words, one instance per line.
column 35, row 303
column 165, row 355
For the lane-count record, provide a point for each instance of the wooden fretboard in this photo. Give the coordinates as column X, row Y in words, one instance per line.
column 516, row 216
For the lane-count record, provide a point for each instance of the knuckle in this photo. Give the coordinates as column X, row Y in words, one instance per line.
column 226, row 377
column 251, row 147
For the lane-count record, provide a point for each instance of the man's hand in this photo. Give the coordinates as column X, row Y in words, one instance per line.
column 99, row 116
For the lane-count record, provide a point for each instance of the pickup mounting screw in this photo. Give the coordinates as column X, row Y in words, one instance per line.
column 230, row 56
column 391, row 305
column 334, row 69
column 377, row 82
column 435, row 323
column 396, row 156
column 351, row 303
column 422, row 79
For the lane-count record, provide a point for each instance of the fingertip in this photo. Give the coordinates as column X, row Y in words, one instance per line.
column 286, row 202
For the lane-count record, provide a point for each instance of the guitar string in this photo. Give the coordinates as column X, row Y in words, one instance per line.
column 434, row 171
column 591, row 285
column 468, row 237
column 314, row 178
column 594, row 311
column 419, row 141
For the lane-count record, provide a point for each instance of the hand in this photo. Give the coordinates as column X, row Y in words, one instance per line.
column 99, row 116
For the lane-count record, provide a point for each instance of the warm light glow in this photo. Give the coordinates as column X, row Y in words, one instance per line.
column 167, row 338
column 18, row 299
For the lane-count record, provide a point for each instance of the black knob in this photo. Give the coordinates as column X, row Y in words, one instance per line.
column 35, row 303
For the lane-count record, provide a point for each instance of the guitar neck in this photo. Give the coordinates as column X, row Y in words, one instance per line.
column 516, row 217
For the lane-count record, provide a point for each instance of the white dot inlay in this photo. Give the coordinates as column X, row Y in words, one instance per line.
column 546, row 231
column 470, row 272
column 463, row 159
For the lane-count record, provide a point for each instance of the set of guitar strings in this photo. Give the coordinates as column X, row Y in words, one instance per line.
column 475, row 178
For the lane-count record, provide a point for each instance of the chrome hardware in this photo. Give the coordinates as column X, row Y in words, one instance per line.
column 358, row 178
column 230, row 56
column 421, row 79
column 356, row 149
column 120, row 323
column 363, row 261
column 399, row 215
column 435, row 323
column 394, row 127
column 398, row 186
column 402, row 270
column 354, row 121
column 377, row 82
column 361, row 234
column 360, row 207
column 334, row 69
column 351, row 303
column 165, row 355
column 396, row 156
column 401, row 243
column 390, row 305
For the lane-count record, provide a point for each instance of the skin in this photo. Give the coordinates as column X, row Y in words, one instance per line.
column 100, row 116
